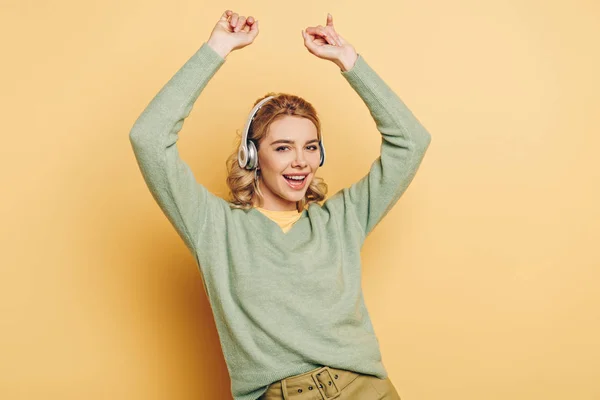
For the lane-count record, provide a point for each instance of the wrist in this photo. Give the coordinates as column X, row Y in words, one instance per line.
column 347, row 61
column 221, row 50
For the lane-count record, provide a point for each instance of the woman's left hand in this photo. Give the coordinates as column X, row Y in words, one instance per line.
column 324, row 42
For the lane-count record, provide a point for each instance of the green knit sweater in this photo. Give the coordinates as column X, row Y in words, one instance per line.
column 283, row 303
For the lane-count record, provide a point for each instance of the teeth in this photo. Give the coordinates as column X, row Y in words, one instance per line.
column 296, row 178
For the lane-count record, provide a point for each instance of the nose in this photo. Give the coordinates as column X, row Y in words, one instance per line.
column 300, row 160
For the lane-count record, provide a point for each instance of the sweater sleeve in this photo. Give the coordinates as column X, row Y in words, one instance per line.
column 154, row 137
column 403, row 146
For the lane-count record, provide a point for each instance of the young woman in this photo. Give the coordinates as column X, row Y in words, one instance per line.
column 282, row 273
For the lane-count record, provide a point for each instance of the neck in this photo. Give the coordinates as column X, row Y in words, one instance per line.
column 257, row 204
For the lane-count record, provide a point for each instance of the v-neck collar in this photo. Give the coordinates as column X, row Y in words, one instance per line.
column 262, row 221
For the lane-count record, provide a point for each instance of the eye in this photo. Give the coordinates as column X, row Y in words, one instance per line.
column 313, row 147
column 279, row 148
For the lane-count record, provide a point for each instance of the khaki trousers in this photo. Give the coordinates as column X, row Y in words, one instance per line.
column 327, row 383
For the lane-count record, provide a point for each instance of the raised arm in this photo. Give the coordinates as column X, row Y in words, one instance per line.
column 154, row 135
column 404, row 143
column 404, row 139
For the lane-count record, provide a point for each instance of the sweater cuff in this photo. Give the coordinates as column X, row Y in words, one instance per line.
column 208, row 55
column 356, row 68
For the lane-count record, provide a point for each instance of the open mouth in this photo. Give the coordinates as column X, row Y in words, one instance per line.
column 295, row 182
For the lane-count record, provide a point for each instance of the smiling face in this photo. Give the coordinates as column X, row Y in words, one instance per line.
column 291, row 147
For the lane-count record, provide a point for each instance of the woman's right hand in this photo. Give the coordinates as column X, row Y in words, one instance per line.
column 232, row 32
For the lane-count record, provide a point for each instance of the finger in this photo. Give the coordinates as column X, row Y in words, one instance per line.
column 329, row 20
column 327, row 35
column 330, row 25
column 226, row 15
column 234, row 20
column 313, row 36
column 316, row 36
column 240, row 24
column 331, row 30
column 247, row 25
column 333, row 35
column 254, row 29
column 307, row 39
column 317, row 31
column 337, row 39
column 249, row 22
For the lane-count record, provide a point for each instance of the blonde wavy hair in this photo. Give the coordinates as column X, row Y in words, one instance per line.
column 244, row 190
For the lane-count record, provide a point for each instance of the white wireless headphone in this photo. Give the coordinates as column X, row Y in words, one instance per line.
column 247, row 154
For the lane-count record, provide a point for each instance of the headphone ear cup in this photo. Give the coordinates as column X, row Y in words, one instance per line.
column 252, row 155
column 242, row 157
column 322, row 154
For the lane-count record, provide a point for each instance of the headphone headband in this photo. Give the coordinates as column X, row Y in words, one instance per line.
column 244, row 158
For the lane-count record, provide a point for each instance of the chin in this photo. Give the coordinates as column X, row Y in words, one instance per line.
column 296, row 196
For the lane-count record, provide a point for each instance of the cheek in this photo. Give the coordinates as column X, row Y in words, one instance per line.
column 275, row 162
column 269, row 166
column 315, row 161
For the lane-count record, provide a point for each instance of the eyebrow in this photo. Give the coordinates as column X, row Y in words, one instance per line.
column 292, row 142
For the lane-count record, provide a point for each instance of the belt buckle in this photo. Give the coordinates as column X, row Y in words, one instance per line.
column 318, row 372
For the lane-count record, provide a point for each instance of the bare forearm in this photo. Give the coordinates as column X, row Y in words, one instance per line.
column 219, row 49
column 347, row 60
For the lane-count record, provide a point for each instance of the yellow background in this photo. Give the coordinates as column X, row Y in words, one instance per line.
column 482, row 282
